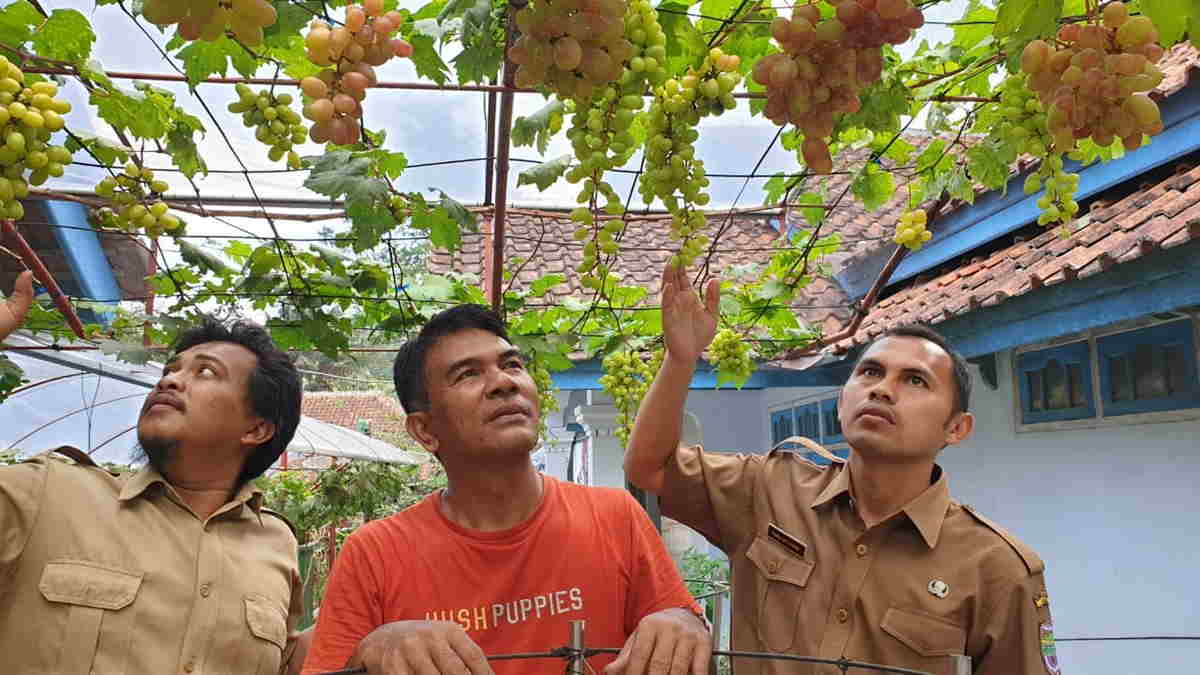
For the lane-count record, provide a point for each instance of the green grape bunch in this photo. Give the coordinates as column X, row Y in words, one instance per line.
column 136, row 203
column 627, row 377
column 1023, row 118
column 547, row 401
column 732, row 356
column 674, row 174
column 602, row 139
column 911, row 231
column 276, row 125
column 29, row 116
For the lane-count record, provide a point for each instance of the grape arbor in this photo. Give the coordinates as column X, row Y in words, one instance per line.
column 629, row 84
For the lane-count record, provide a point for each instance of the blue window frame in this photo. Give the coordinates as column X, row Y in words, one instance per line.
column 808, row 421
column 1056, row 384
column 832, row 425
column 782, row 426
column 1149, row 370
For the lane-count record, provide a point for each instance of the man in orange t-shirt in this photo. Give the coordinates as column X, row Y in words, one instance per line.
column 504, row 558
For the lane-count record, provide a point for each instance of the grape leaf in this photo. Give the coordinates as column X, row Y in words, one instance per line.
column 722, row 8
column 539, row 127
column 775, row 188
column 1170, row 17
column 105, row 150
column 201, row 59
column 291, row 16
column 974, row 26
column 66, row 35
column 390, row 164
column 17, row 22
column 1027, row 19
column 458, row 213
column 339, row 173
column 985, row 166
column 685, row 45
column 814, row 214
column 545, row 174
column 873, row 186
column 443, row 231
column 479, row 61
column 291, row 53
column 426, row 59
column 370, row 220
column 184, row 153
column 196, row 256
column 130, row 110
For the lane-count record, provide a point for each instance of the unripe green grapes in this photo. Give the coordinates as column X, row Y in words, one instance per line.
column 136, row 203
column 276, row 125
column 29, row 116
column 911, row 232
column 731, row 354
column 627, row 377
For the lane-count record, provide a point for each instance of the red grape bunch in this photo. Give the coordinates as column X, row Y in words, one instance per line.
column 573, row 47
column 826, row 63
column 350, row 53
column 29, row 116
column 1093, row 78
column 209, row 19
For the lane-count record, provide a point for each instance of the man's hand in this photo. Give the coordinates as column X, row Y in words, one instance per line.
column 672, row 641
column 688, row 324
column 420, row 648
column 14, row 309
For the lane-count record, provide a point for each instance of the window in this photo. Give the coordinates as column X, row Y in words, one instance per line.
column 817, row 420
column 1056, row 384
column 781, row 426
column 1149, row 370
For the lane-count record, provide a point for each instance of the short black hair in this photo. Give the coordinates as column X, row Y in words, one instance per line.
column 962, row 375
column 408, row 372
column 274, row 390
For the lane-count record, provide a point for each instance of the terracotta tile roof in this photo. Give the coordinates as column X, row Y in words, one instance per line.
column 346, row 408
column 537, row 246
column 1156, row 217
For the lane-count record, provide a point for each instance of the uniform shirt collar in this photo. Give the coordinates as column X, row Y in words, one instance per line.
column 926, row 511
column 147, row 477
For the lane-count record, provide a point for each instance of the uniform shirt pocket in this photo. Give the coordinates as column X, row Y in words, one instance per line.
column 929, row 636
column 89, row 591
column 268, row 623
column 782, row 578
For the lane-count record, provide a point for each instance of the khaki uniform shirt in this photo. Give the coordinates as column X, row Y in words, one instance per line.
column 810, row 579
column 115, row 575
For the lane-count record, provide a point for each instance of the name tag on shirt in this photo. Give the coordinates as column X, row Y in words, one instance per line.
column 776, row 534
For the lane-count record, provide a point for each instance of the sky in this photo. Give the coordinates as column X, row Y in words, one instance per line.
column 428, row 126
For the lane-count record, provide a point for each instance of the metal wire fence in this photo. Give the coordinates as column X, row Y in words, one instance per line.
column 576, row 653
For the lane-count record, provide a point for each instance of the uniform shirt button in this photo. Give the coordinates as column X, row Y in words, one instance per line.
column 843, row 615
column 205, row 589
column 861, row 550
column 773, row 566
column 189, row 667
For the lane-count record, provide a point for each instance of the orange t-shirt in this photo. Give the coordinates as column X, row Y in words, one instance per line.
column 586, row 553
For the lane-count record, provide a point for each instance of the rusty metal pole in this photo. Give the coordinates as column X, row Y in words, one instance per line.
column 503, row 146
column 34, row 262
column 577, row 662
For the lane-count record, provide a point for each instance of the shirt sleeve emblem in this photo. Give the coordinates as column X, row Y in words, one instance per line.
column 1049, row 652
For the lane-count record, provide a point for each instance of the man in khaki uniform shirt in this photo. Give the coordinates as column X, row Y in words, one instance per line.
column 175, row 568
column 869, row 560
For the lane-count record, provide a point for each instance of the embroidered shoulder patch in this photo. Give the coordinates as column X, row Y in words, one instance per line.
column 1049, row 653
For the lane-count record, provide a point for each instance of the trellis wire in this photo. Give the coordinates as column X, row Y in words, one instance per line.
column 576, row 652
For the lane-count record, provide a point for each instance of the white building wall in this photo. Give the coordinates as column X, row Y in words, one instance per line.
column 1112, row 511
